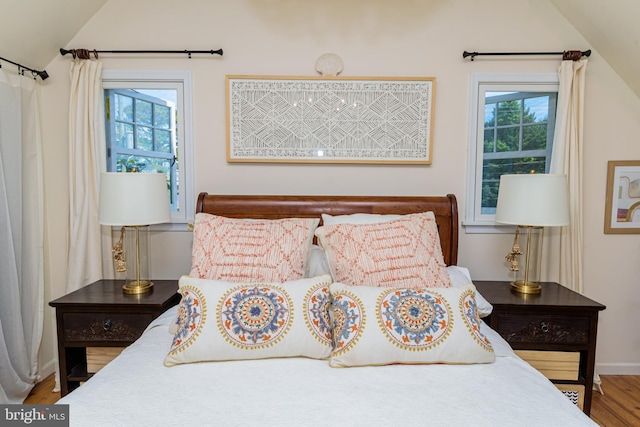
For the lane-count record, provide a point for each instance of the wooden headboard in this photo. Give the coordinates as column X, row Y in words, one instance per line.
column 445, row 209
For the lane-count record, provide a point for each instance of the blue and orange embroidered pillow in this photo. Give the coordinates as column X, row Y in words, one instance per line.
column 350, row 325
column 380, row 326
column 230, row 321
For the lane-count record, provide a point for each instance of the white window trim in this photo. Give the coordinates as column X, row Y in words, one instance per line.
column 182, row 223
column 474, row 172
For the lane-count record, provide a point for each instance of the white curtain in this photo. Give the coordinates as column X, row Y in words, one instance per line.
column 567, row 159
column 21, row 236
column 87, row 158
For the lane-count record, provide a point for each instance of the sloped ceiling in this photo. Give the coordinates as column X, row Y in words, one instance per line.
column 611, row 27
column 32, row 31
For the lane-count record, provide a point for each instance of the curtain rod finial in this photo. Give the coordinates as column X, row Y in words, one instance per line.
column 471, row 54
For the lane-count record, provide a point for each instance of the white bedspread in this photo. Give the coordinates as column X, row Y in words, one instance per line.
column 137, row 390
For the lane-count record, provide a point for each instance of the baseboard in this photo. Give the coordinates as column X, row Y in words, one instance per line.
column 618, row 368
column 47, row 369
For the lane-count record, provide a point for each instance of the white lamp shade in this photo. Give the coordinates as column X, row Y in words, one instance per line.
column 133, row 199
column 538, row 200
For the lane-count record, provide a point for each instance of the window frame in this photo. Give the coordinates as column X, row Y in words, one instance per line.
column 474, row 220
column 141, row 79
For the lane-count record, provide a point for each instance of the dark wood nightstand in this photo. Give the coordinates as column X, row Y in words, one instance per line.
column 554, row 331
column 101, row 315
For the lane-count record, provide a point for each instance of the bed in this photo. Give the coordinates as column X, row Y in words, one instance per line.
column 324, row 357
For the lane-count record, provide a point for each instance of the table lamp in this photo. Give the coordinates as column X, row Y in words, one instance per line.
column 133, row 201
column 531, row 202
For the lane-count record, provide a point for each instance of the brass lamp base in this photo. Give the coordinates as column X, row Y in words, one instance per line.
column 136, row 287
column 525, row 287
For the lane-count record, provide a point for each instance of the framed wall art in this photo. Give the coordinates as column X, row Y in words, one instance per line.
column 330, row 119
column 622, row 214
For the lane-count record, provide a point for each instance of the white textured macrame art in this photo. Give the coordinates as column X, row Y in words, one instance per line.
column 330, row 119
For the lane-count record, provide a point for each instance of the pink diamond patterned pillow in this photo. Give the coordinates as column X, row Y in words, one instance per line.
column 240, row 250
column 403, row 253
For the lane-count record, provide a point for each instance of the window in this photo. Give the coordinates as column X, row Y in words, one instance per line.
column 512, row 122
column 147, row 116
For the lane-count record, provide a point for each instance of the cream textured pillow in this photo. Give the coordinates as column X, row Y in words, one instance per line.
column 460, row 276
column 358, row 218
column 404, row 252
column 242, row 250
column 379, row 326
column 230, row 321
column 318, row 265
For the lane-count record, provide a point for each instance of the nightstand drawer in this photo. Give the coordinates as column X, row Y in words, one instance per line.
column 112, row 327
column 555, row 365
column 97, row 357
column 544, row 329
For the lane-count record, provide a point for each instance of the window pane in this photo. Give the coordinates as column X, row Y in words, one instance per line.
column 493, row 169
column 144, row 138
column 163, row 141
column 528, row 164
column 123, row 108
column 143, row 112
column 489, row 115
column 489, row 196
column 508, row 139
column 134, row 163
column 124, row 135
column 508, row 113
column 162, row 117
column 489, row 143
column 536, row 109
column 534, row 137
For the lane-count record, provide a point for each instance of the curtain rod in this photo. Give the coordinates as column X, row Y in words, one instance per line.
column 86, row 53
column 43, row 74
column 567, row 54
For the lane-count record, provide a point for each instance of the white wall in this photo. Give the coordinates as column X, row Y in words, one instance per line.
column 374, row 38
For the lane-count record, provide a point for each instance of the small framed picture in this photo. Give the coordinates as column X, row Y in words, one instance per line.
column 622, row 214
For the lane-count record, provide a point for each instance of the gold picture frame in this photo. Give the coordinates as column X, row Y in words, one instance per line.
column 330, row 119
column 622, row 204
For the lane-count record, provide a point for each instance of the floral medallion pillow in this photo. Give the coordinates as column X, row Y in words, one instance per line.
column 404, row 252
column 240, row 250
column 381, row 326
column 230, row 321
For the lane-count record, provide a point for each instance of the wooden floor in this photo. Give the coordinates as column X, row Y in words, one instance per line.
column 619, row 407
column 42, row 393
